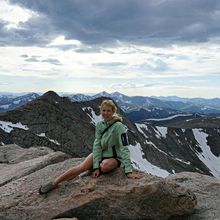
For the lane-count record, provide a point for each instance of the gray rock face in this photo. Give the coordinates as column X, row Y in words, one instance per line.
column 111, row 196
column 181, row 196
column 52, row 121
column 13, row 153
column 21, row 162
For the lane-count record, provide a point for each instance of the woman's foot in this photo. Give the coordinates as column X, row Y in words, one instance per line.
column 47, row 188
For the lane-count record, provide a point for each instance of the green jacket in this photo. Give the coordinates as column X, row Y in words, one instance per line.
column 114, row 138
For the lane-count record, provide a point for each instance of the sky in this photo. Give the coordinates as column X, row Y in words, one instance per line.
column 136, row 47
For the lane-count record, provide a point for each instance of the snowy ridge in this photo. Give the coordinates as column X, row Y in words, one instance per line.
column 140, row 126
column 151, row 143
column 142, row 164
column 206, row 156
column 8, row 126
column 94, row 118
column 162, row 131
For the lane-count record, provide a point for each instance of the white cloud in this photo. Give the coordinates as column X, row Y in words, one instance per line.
column 199, row 60
column 62, row 41
column 13, row 15
column 144, row 65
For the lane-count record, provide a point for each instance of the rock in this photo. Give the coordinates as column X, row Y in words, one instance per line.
column 9, row 152
column 207, row 191
column 13, row 153
column 68, row 219
column 111, row 196
column 11, row 172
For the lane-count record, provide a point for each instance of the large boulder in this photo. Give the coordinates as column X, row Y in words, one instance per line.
column 207, row 191
column 111, row 196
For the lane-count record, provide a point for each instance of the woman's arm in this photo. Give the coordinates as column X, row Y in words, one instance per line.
column 122, row 140
column 97, row 150
column 125, row 153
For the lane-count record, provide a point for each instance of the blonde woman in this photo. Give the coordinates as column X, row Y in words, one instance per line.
column 110, row 150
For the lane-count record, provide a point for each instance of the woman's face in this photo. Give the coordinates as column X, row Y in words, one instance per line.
column 107, row 112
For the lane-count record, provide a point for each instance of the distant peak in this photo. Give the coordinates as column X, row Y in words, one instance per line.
column 117, row 93
column 50, row 94
column 104, row 93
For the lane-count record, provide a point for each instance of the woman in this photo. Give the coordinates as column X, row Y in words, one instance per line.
column 109, row 150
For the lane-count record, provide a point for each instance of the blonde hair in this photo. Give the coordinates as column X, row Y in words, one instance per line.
column 111, row 104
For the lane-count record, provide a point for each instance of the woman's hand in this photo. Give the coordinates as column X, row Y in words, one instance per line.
column 96, row 173
column 135, row 175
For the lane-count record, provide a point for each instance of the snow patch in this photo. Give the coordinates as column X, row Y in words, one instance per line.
column 94, row 118
column 206, row 156
column 5, row 106
column 182, row 161
column 8, row 126
column 168, row 118
column 41, row 135
column 176, row 134
column 51, row 140
column 142, row 164
column 17, row 102
column 162, row 131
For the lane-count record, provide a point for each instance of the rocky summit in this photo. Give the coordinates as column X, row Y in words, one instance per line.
column 110, row 196
column 181, row 196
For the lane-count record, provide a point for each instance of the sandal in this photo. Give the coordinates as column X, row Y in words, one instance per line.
column 46, row 188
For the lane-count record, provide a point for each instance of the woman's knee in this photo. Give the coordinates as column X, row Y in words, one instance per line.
column 108, row 165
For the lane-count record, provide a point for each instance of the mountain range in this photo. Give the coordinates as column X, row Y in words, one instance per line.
column 11, row 101
column 61, row 124
column 156, row 105
column 159, row 111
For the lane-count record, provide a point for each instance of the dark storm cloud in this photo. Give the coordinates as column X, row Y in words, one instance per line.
column 155, row 22
column 38, row 31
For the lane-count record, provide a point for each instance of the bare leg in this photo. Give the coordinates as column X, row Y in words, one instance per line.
column 75, row 171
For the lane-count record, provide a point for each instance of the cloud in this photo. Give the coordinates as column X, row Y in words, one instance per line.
column 111, row 64
column 33, row 59
column 124, row 86
column 105, row 22
column 52, row 61
column 38, row 59
column 24, row 56
column 4, row 83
